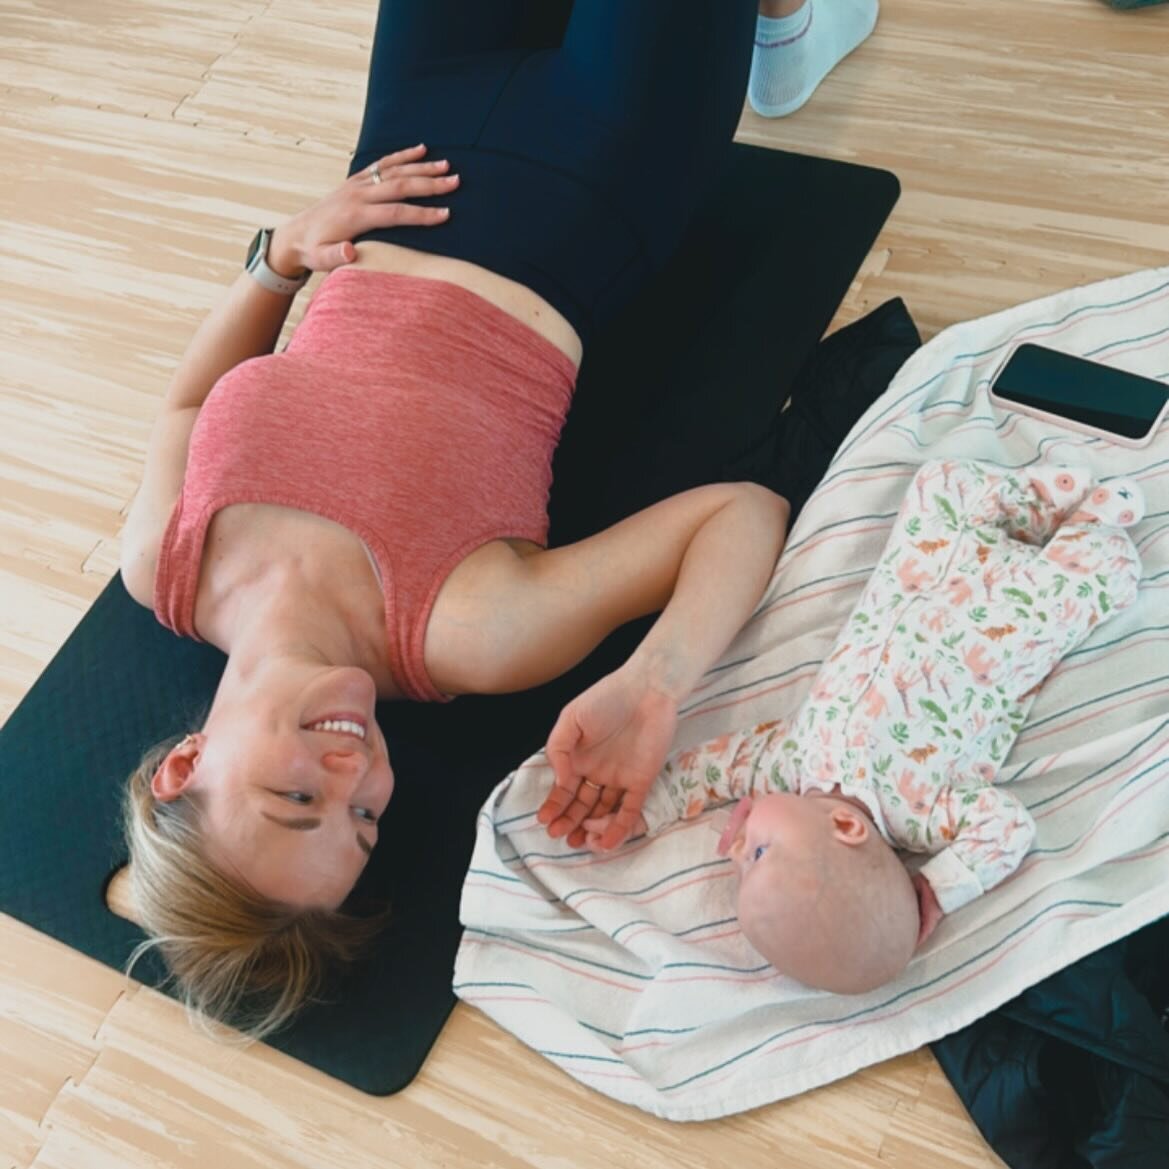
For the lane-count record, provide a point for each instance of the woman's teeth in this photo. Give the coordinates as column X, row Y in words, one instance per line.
column 342, row 726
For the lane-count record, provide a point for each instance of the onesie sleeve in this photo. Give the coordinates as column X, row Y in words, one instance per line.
column 748, row 762
column 989, row 832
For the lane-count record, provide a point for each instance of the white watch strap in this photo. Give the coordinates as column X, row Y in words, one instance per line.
column 269, row 279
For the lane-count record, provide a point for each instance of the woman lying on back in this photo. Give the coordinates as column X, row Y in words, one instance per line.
column 363, row 515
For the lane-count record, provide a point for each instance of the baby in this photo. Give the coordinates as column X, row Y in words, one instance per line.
column 989, row 578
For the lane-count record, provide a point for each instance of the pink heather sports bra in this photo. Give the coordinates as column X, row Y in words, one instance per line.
column 411, row 411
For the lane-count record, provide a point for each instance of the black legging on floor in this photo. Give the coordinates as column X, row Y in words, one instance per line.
column 585, row 136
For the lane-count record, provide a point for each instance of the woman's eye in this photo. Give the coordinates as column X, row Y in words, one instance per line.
column 759, row 852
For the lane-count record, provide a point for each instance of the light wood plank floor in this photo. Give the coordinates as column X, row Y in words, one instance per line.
column 140, row 142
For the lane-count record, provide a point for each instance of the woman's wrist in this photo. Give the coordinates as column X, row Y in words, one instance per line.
column 660, row 670
column 283, row 255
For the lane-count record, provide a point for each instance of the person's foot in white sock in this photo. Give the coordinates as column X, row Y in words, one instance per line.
column 795, row 52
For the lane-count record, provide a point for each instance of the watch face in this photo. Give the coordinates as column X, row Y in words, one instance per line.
column 256, row 248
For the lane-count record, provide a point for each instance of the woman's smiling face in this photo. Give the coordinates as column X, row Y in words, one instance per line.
column 291, row 782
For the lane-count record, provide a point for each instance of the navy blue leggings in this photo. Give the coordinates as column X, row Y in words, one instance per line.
column 585, row 135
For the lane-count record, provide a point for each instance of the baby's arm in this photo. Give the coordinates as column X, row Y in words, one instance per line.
column 742, row 763
column 989, row 833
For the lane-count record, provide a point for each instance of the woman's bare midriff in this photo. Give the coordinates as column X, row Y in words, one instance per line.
column 515, row 299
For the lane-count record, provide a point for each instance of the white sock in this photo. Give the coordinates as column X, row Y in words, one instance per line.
column 793, row 54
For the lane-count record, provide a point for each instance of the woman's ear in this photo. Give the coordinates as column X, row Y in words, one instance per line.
column 848, row 825
column 174, row 776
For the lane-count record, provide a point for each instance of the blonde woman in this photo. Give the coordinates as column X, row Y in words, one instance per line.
column 363, row 515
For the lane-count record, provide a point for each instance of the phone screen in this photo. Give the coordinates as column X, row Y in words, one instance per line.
column 1084, row 391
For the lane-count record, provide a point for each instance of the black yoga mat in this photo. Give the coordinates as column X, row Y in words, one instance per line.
column 684, row 389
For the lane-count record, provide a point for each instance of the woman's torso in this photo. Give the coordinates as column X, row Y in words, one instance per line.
column 514, row 298
column 240, row 532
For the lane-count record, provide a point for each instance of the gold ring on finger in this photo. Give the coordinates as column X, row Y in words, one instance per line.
column 589, row 783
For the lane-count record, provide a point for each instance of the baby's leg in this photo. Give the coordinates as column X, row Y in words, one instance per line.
column 936, row 510
column 1087, row 572
column 1029, row 606
column 956, row 511
column 1029, row 504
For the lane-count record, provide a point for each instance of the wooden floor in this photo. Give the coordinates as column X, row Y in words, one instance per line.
column 140, row 143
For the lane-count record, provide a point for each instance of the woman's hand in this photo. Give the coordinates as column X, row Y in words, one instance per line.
column 606, row 749
column 320, row 237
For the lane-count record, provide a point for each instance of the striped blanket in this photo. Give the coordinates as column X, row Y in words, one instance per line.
column 628, row 970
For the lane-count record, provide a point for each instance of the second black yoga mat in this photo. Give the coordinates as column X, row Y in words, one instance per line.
column 682, row 390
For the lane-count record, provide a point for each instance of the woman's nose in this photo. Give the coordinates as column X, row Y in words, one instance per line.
column 348, row 767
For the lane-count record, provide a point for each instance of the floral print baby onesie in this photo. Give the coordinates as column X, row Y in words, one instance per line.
column 989, row 578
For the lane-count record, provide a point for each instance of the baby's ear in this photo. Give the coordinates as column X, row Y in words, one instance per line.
column 848, row 825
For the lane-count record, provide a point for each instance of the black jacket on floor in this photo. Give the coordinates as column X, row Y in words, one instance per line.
column 1074, row 1073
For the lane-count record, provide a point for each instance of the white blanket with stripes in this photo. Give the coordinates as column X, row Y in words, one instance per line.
column 628, row 970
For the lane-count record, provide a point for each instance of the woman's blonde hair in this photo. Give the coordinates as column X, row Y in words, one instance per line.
column 236, row 957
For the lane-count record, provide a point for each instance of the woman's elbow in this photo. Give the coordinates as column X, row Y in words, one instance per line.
column 771, row 513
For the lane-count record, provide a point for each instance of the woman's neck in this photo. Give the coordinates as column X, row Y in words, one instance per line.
column 282, row 611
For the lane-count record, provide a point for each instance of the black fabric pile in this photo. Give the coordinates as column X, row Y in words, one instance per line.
column 1074, row 1073
column 844, row 375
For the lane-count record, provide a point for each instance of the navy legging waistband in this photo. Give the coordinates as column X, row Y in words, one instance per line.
column 585, row 135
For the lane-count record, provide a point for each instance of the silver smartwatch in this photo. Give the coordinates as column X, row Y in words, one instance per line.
column 257, row 265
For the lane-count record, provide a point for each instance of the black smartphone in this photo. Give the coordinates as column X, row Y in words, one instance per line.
column 1098, row 399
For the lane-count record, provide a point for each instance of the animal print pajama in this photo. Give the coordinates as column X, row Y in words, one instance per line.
column 989, row 578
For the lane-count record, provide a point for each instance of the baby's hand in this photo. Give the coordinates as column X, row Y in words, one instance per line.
column 931, row 911
column 596, row 827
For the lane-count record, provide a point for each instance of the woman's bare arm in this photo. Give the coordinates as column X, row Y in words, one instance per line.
column 247, row 323
column 702, row 559
column 618, row 733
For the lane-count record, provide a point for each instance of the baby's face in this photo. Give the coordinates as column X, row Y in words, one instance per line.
column 821, row 896
column 764, row 829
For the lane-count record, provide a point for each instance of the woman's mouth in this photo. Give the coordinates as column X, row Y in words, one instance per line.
column 341, row 724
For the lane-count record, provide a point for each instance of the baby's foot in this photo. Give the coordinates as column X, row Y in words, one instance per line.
column 1061, row 487
column 793, row 54
column 1119, row 502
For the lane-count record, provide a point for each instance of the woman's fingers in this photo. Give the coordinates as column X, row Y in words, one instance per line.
column 364, row 178
column 590, row 802
column 569, row 821
column 409, row 154
column 404, row 215
column 394, row 187
column 437, row 167
column 385, row 199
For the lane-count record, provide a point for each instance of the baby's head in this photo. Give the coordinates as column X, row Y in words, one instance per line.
column 822, row 896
